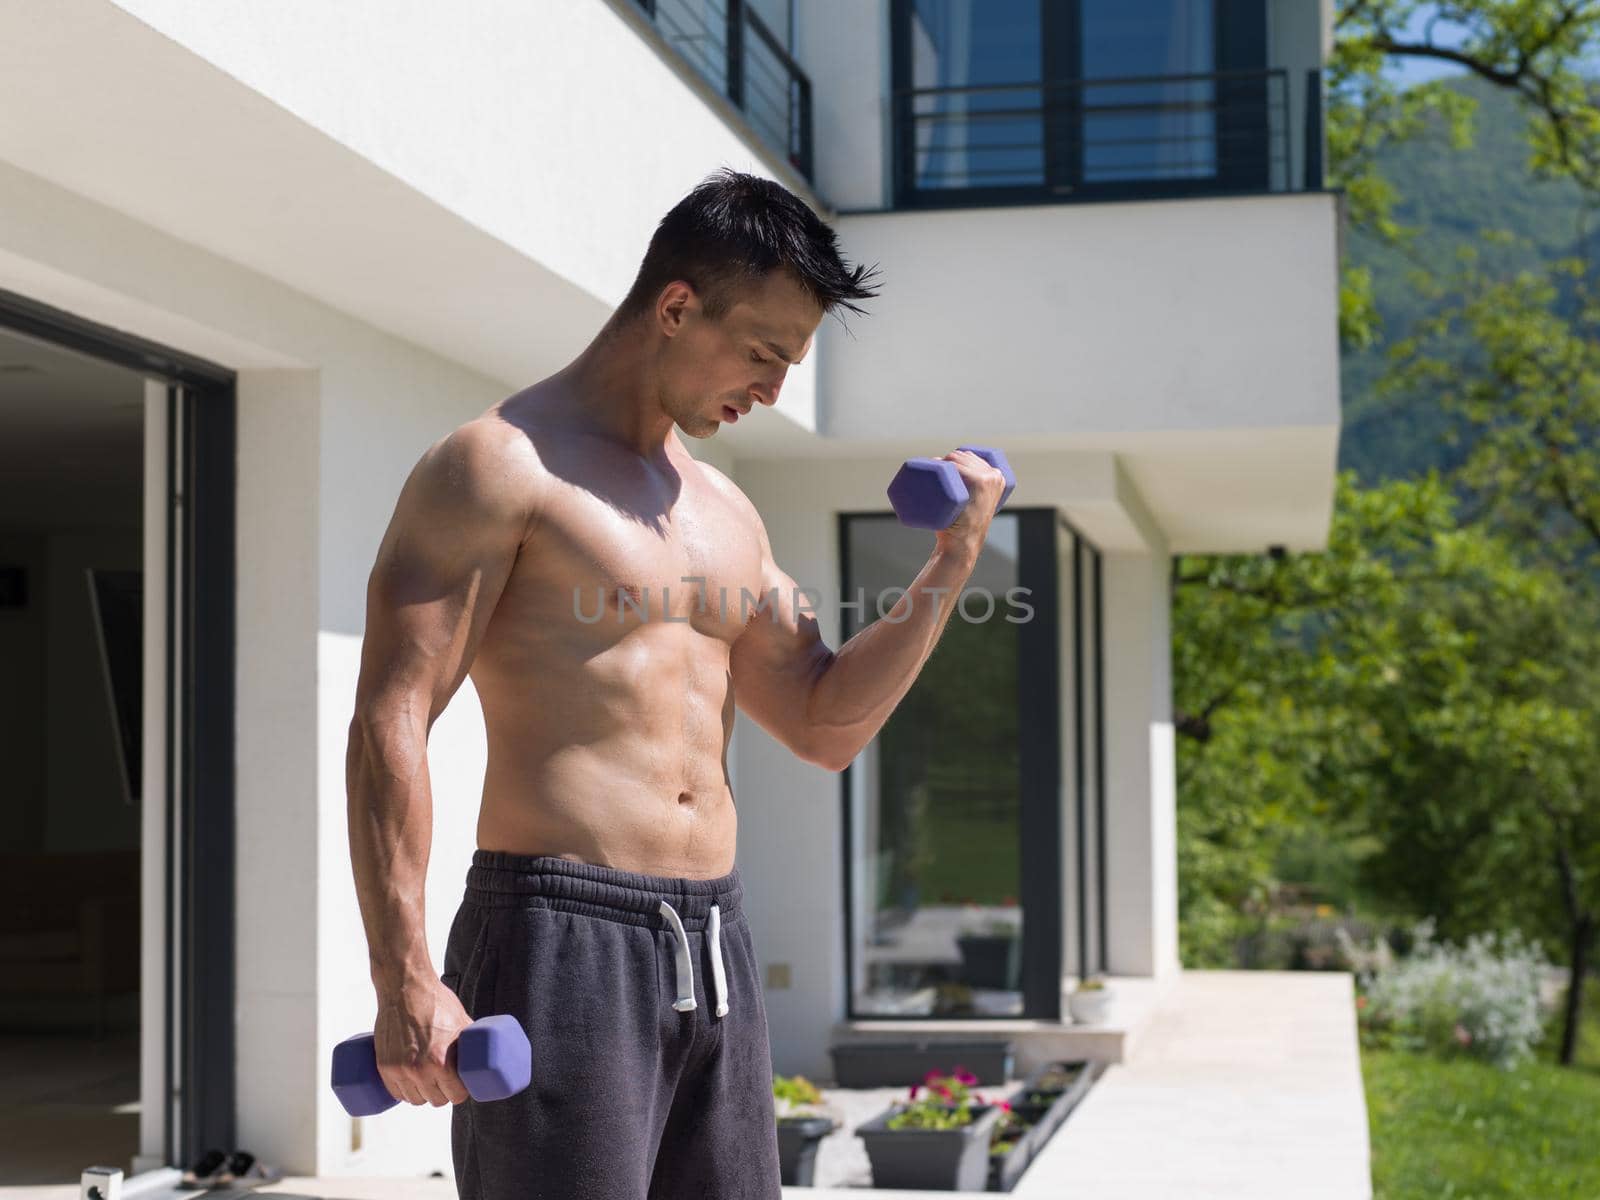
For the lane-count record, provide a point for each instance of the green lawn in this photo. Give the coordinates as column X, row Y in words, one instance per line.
column 1464, row 1130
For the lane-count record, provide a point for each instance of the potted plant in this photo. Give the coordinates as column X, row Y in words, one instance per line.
column 801, row 1127
column 938, row 1140
column 1010, row 1148
column 1090, row 1001
column 991, row 955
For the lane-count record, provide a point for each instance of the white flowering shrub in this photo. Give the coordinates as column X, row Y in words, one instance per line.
column 1480, row 999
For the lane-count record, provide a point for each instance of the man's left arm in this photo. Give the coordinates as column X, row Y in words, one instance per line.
column 826, row 705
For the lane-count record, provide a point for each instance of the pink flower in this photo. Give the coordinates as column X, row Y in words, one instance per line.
column 1361, row 1001
column 933, row 1076
column 1463, row 1036
column 965, row 1076
column 913, row 1091
column 943, row 1091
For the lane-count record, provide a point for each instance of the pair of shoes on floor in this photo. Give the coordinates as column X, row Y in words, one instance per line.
column 235, row 1169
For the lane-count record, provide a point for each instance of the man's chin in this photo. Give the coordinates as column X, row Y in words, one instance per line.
column 701, row 429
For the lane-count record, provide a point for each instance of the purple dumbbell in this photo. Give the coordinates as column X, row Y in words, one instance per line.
column 928, row 493
column 493, row 1059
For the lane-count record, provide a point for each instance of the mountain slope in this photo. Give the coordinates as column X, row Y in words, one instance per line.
column 1451, row 196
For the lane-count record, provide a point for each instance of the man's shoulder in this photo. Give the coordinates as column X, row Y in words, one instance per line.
column 487, row 464
column 726, row 487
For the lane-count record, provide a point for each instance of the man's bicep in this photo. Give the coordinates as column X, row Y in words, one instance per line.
column 440, row 570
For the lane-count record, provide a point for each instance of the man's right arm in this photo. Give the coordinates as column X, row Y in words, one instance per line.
column 461, row 518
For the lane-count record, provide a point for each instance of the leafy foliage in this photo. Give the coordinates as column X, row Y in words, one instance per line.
column 1479, row 1000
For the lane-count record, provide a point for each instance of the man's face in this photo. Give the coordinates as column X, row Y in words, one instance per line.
column 715, row 372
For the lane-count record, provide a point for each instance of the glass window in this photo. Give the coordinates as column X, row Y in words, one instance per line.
column 935, row 839
column 978, row 137
column 1081, row 96
column 1155, row 129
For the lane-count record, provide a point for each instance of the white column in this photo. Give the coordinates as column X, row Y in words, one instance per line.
column 278, row 1067
column 1141, row 810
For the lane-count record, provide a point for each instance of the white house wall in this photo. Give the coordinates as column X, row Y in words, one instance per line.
column 1139, row 317
column 843, row 45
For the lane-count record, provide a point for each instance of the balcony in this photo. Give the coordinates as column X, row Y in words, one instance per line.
column 735, row 51
column 1134, row 137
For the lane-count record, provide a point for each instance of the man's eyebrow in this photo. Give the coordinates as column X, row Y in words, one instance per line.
column 779, row 351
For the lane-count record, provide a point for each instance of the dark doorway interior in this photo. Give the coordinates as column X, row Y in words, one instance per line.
column 71, row 555
column 79, row 836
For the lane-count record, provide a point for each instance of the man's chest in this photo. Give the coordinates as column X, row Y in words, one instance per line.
column 695, row 560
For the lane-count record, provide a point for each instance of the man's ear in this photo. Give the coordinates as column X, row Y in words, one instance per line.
column 673, row 306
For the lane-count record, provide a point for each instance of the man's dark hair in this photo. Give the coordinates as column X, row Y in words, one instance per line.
column 730, row 231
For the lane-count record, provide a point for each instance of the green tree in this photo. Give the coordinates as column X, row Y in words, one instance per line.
column 1533, row 50
column 1418, row 681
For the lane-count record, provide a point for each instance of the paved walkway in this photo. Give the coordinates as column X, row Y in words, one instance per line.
column 1245, row 1086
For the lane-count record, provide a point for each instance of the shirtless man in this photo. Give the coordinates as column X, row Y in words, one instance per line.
column 604, row 885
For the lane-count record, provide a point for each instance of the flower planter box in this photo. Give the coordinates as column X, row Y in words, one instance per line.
column 991, row 962
column 1005, row 1169
column 798, row 1139
column 1047, row 1116
column 899, row 1064
column 1046, row 1078
column 936, row 1160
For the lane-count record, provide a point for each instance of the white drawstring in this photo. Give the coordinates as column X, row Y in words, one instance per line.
column 685, row 1001
column 717, row 977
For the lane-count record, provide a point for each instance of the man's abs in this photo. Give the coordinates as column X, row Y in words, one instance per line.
column 605, row 683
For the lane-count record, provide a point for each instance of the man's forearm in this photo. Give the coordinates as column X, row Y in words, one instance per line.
column 390, row 812
column 872, row 672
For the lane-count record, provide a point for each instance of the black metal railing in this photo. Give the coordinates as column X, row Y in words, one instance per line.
column 1136, row 136
column 732, row 48
column 1311, row 144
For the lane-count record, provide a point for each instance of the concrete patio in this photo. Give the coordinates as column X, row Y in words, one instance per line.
column 1245, row 1085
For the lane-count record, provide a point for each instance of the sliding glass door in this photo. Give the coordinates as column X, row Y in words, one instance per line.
column 952, row 813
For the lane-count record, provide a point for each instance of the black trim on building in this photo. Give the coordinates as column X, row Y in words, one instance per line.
column 1039, row 763
column 27, row 316
column 1242, row 99
column 1088, row 789
column 847, row 628
column 201, row 528
column 210, row 471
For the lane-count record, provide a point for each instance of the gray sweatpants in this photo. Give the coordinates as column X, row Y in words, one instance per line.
column 652, row 1069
